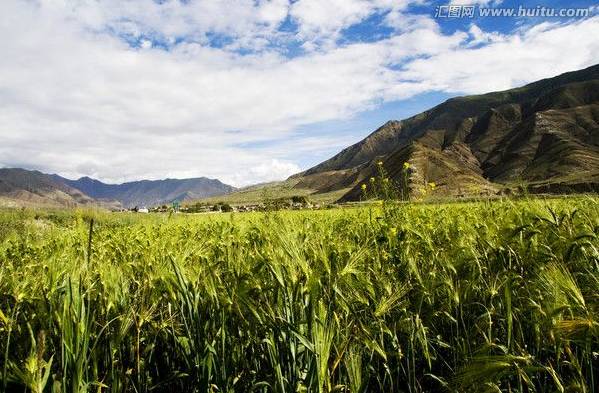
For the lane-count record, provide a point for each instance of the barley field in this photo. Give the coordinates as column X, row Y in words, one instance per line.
column 491, row 296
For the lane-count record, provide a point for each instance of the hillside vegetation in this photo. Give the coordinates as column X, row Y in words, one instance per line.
column 465, row 297
column 264, row 192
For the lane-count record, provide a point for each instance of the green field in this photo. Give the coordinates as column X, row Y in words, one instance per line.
column 263, row 192
column 497, row 296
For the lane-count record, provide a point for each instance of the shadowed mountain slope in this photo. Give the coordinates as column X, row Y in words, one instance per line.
column 33, row 188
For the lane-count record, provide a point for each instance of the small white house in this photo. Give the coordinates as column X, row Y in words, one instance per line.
column 143, row 210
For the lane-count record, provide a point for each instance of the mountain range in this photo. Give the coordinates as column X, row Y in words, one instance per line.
column 150, row 192
column 24, row 187
column 544, row 135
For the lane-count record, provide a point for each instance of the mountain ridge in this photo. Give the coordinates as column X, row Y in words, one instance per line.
column 32, row 187
column 151, row 192
column 492, row 139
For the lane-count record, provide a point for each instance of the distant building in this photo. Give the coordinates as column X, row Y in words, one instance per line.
column 143, row 210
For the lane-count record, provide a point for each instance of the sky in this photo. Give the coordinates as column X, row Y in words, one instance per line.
column 250, row 91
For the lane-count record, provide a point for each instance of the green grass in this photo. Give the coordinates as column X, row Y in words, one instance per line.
column 264, row 192
column 497, row 296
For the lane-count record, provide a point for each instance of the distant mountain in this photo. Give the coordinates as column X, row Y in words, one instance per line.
column 33, row 188
column 150, row 192
column 545, row 135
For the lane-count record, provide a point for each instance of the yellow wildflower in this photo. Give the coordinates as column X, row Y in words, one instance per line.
column 372, row 179
column 363, row 187
column 406, row 165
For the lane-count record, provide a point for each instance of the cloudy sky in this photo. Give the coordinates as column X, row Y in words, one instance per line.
column 248, row 90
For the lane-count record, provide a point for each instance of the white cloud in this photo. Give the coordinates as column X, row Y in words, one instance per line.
column 318, row 18
column 403, row 22
column 78, row 100
column 266, row 171
column 482, row 37
column 247, row 21
column 510, row 60
column 322, row 22
column 146, row 44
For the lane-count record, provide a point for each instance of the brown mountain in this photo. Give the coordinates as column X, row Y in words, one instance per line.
column 545, row 135
column 21, row 187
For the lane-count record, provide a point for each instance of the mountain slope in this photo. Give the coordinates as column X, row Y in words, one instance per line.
column 543, row 134
column 150, row 192
column 23, row 187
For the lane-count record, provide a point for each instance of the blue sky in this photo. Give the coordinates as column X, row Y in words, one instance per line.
column 250, row 90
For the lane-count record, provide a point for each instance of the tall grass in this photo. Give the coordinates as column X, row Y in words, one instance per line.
column 487, row 296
